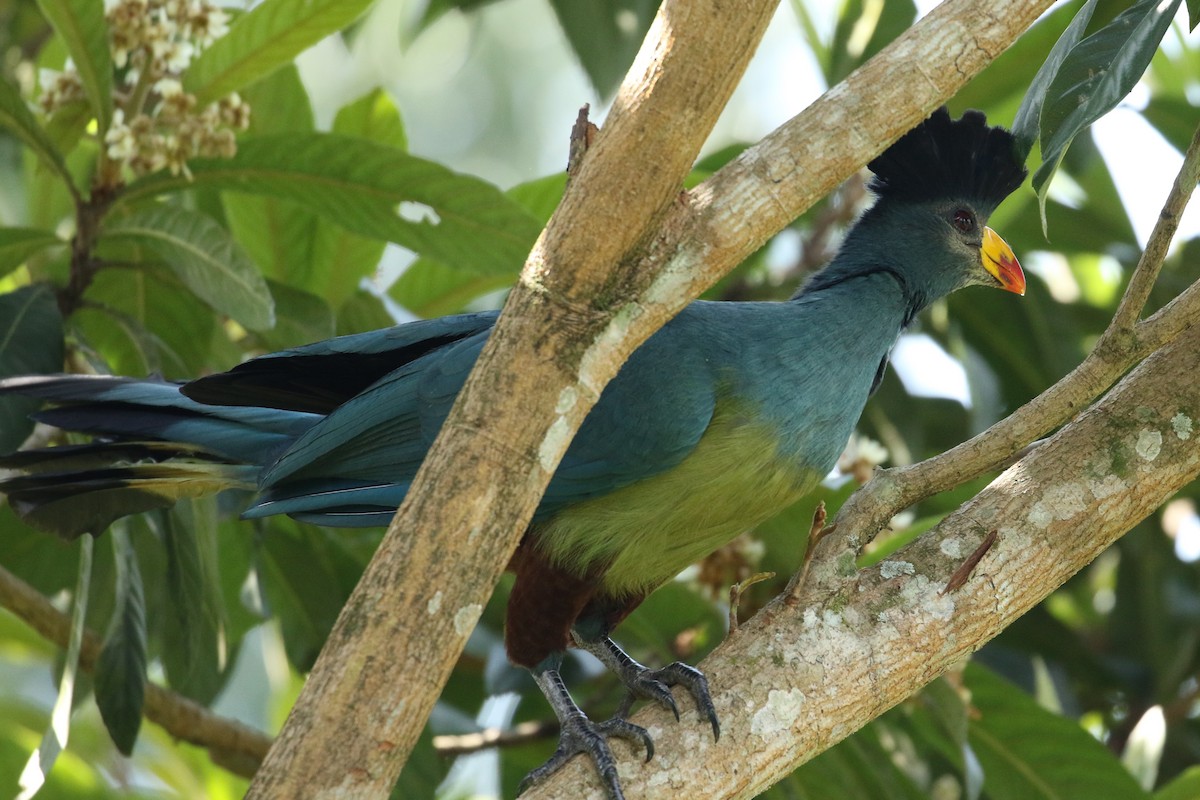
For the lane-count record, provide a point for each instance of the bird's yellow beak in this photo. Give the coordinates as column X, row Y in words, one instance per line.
column 1001, row 264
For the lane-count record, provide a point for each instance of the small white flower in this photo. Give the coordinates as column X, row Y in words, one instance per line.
column 168, row 87
column 119, row 138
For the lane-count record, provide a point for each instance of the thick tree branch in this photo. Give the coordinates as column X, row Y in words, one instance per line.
column 625, row 250
column 230, row 743
column 1125, row 342
column 799, row 678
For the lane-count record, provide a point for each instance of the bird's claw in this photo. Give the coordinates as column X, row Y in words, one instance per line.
column 581, row 735
column 654, row 684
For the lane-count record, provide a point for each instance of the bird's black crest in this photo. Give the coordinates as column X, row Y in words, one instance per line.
column 943, row 158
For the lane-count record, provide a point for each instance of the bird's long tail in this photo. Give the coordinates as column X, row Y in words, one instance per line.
column 153, row 447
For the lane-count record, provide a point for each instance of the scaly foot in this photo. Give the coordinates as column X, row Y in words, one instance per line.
column 581, row 735
column 654, row 684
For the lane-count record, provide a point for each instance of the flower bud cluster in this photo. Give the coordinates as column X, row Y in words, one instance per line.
column 155, row 123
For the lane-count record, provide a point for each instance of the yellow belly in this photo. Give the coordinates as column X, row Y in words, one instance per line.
column 649, row 531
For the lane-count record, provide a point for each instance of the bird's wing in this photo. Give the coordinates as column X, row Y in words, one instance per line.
column 647, row 420
column 320, row 377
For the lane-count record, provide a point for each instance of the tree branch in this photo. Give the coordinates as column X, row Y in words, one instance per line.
column 231, row 744
column 798, row 678
column 625, row 250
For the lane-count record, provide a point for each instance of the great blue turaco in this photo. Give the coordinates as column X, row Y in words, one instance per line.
column 728, row 414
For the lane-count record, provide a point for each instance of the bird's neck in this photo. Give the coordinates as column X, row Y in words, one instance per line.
column 849, row 275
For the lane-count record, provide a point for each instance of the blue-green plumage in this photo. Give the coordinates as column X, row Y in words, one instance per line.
column 728, row 414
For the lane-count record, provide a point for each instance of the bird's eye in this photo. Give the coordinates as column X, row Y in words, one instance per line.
column 963, row 220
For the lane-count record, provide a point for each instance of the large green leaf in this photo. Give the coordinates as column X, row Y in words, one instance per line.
column 373, row 190
column 277, row 234
column 1095, row 76
column 429, row 288
column 18, row 244
column 605, row 35
column 192, row 641
column 1184, row 787
column 1027, row 123
column 20, row 120
column 264, row 39
column 1029, row 753
column 340, row 259
column 83, row 29
column 142, row 321
column 204, row 256
column 31, row 341
column 120, row 674
column 306, row 575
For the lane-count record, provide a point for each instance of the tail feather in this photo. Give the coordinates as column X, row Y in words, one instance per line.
column 157, row 447
column 73, row 493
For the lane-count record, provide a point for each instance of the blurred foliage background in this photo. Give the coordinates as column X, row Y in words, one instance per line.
column 357, row 108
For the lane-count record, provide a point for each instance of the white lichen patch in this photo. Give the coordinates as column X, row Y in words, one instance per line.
column 1182, row 425
column 1061, row 502
column 465, row 619
column 831, row 619
column 951, row 547
column 1149, row 444
column 1106, row 486
column 779, row 714
column 554, row 443
column 894, row 569
column 567, row 399
column 601, row 349
column 435, row 603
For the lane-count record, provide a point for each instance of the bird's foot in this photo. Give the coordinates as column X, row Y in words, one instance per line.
column 655, row 684
column 581, row 735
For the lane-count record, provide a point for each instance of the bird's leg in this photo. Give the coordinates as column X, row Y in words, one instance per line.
column 652, row 684
column 580, row 734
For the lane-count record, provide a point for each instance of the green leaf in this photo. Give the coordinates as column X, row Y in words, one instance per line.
column 84, row 30
column 120, row 674
column 373, row 116
column 191, row 641
column 363, row 311
column 18, row 244
column 142, row 321
column 458, row 219
column 429, row 288
column 55, row 739
column 300, row 318
column 606, row 35
column 31, row 341
column 277, row 234
column 1029, row 753
column 1025, row 126
column 340, row 259
column 15, row 116
column 264, row 39
column 1094, row 77
column 1185, row 787
column 863, row 29
column 204, row 256
column 306, row 575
